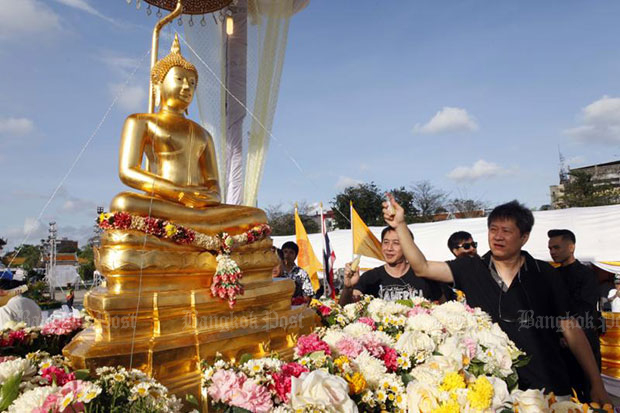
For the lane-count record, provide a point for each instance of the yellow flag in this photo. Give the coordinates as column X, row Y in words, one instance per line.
column 306, row 258
column 364, row 241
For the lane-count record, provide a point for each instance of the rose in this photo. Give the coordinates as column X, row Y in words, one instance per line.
column 414, row 342
column 421, row 398
column 253, row 397
column 224, row 384
column 501, row 395
column 321, row 389
column 529, row 401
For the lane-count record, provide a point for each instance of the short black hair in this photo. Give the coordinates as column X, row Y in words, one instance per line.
column 388, row 229
column 291, row 246
column 513, row 210
column 458, row 237
column 566, row 234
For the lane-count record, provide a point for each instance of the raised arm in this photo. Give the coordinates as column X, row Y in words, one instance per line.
column 434, row 270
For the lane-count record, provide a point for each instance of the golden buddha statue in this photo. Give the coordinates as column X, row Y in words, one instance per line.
column 157, row 310
column 182, row 184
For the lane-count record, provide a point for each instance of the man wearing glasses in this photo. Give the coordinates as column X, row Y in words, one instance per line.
column 524, row 296
column 462, row 244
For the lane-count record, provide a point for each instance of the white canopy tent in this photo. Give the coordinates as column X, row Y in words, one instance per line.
column 63, row 275
column 597, row 230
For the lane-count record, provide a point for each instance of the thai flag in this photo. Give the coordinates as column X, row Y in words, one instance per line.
column 329, row 257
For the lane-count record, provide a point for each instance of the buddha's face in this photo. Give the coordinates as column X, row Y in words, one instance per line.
column 177, row 89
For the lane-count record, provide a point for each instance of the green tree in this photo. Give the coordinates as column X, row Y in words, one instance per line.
column 32, row 255
column 282, row 222
column 367, row 199
column 87, row 269
column 469, row 208
column 2, row 243
column 405, row 198
column 428, row 199
column 582, row 191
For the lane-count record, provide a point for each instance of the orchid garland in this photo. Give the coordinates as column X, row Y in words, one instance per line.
column 226, row 281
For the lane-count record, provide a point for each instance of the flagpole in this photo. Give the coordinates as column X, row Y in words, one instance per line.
column 323, row 232
column 352, row 237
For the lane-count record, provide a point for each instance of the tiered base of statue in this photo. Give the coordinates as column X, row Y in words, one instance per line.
column 157, row 313
column 610, row 346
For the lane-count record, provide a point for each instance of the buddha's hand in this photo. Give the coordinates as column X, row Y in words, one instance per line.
column 199, row 198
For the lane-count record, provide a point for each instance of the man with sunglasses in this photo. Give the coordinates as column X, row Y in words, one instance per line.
column 461, row 244
column 524, row 296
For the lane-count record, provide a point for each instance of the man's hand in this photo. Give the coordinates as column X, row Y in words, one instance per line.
column 394, row 215
column 350, row 277
column 599, row 395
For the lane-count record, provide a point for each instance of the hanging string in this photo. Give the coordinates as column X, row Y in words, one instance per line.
column 249, row 112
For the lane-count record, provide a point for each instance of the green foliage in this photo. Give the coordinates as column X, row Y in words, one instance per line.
column 87, row 269
column 406, row 199
column 367, row 199
column 283, row 222
column 582, row 191
column 9, row 391
column 31, row 253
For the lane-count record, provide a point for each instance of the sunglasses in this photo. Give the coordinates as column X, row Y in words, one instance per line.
column 468, row 245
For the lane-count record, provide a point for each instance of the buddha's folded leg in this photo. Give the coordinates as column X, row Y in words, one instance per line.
column 233, row 219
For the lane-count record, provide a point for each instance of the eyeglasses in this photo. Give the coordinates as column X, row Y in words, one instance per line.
column 468, row 245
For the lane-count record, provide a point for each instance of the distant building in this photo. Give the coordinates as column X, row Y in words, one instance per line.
column 603, row 173
column 330, row 221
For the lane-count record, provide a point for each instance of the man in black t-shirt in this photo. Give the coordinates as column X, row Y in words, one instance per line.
column 524, row 296
column 393, row 281
column 582, row 286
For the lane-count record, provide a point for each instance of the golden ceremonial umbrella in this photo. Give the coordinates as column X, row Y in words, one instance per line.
column 192, row 6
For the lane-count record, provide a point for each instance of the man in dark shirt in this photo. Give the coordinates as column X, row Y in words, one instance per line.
column 393, row 281
column 523, row 295
column 582, row 286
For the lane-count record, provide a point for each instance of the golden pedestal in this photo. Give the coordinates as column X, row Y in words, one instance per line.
column 157, row 314
column 610, row 346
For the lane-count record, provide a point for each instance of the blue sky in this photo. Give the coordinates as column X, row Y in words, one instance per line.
column 475, row 96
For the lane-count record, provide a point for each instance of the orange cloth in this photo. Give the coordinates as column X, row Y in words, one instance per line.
column 364, row 241
column 306, row 258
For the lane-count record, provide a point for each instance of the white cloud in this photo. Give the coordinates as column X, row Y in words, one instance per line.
column 480, row 169
column 448, row 119
column 576, row 160
column 84, row 6
column 74, row 205
column 31, row 225
column 600, row 122
column 16, row 126
column 132, row 98
column 25, row 17
column 345, row 182
column 122, row 65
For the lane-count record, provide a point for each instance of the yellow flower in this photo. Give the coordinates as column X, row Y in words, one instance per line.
column 341, row 361
column 357, row 383
column 480, row 393
column 170, row 230
column 450, row 406
column 452, row 381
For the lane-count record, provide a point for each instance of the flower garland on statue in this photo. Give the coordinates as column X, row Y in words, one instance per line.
column 226, row 283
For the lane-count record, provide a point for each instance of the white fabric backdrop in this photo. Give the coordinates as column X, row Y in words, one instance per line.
column 597, row 230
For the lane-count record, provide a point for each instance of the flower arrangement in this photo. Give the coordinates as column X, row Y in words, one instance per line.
column 377, row 356
column 19, row 339
column 40, row 383
column 226, row 281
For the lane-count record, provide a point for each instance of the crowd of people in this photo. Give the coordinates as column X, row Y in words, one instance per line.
column 550, row 312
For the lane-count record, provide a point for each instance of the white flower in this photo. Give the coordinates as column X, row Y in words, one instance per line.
column 372, row 368
column 11, row 368
column 529, row 401
column 443, row 363
column 13, row 325
column 88, row 392
column 357, row 330
column 350, row 310
column 323, row 390
column 425, row 323
column 414, row 342
column 422, row 397
column 384, row 337
column 566, row 406
column 501, row 395
column 332, row 337
column 453, row 319
column 31, row 399
column 427, row 375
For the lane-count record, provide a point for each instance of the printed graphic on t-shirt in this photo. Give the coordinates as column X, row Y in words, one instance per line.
column 398, row 292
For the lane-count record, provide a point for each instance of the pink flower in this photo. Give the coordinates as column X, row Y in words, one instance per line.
column 310, row 344
column 390, row 358
column 325, row 310
column 62, row 326
column 50, row 405
column 58, row 375
column 471, row 346
column 253, row 397
column 18, row 336
column 224, row 384
column 7, row 358
column 293, row 369
column 373, row 345
column 469, row 309
column 368, row 321
column 417, row 310
column 349, row 346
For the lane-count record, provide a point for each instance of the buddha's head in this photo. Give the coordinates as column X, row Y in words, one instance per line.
column 175, row 79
